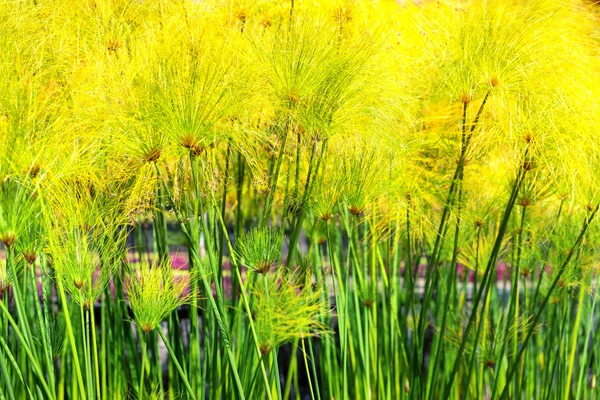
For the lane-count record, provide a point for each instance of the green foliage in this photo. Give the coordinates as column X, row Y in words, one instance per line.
column 260, row 249
column 397, row 200
column 154, row 294
column 284, row 312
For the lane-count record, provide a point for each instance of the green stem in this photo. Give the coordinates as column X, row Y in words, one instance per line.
column 558, row 276
column 43, row 319
column 221, row 321
column 586, row 355
column 15, row 368
column 573, row 345
column 487, row 278
column 4, row 370
column 95, row 349
column 25, row 345
column 310, row 385
column 143, row 368
column 248, row 311
column 71, row 337
column 302, row 206
column 85, row 331
column 177, row 365
column 513, row 312
column 451, row 275
column 274, row 179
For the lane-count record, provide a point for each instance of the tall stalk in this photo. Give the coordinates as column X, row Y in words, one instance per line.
column 221, row 321
column 275, row 177
column 182, row 374
column 432, row 275
column 537, row 316
column 487, row 277
column 305, row 195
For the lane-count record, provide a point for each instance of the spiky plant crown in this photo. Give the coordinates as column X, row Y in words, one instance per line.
column 150, row 394
column 86, row 238
column 189, row 94
column 314, row 80
column 19, row 212
column 536, row 189
column 57, row 335
column 489, row 349
column 362, row 176
column 328, row 190
column 154, row 293
column 575, row 276
column 284, row 312
column 116, row 93
column 260, row 249
column 301, row 275
column 479, row 51
column 476, row 252
column 368, row 293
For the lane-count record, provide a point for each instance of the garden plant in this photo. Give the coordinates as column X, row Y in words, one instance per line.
column 266, row 199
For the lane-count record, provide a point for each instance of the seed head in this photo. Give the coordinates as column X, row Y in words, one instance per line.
column 494, row 82
column 8, row 238
column 368, row 294
column 265, row 349
column 524, row 201
column 34, row 170
column 265, row 21
column 293, row 96
column 343, row 14
column 152, row 155
column 79, row 284
column 466, row 98
column 189, row 141
column 241, row 15
column 325, row 216
column 113, row 46
column 30, row 256
column 528, row 137
column 355, row 209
